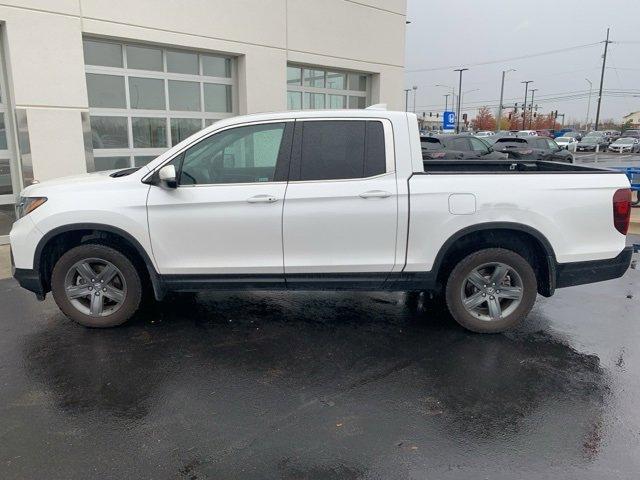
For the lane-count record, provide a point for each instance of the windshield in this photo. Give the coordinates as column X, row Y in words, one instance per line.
column 563, row 139
column 624, row 141
column 591, row 139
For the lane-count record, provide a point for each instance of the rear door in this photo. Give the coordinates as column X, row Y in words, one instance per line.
column 341, row 205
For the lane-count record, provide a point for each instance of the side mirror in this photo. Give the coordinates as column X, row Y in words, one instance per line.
column 167, row 176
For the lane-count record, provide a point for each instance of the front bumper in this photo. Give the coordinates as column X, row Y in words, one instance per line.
column 579, row 273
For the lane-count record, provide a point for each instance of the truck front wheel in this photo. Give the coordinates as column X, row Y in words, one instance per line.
column 491, row 290
column 96, row 286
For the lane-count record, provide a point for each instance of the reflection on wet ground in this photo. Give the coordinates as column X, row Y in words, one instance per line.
column 321, row 386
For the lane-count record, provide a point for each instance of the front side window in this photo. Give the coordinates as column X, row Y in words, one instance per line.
column 478, row 145
column 238, row 155
column 341, row 149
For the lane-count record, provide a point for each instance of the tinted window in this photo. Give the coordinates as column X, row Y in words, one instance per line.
column 238, row 155
column 552, row 144
column 430, row 144
column 337, row 150
column 458, row 144
column 478, row 145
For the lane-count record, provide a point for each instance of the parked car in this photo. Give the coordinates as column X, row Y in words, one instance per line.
column 568, row 143
column 630, row 134
column 323, row 200
column 573, row 134
column 457, row 147
column 532, row 148
column 484, row 133
column 591, row 143
column 625, row 145
column 544, row 133
column 527, row 133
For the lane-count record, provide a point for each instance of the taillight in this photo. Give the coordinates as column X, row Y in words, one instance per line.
column 622, row 210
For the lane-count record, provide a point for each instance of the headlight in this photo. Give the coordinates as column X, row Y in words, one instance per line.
column 29, row 204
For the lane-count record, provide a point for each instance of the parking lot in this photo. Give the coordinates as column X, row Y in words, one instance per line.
column 321, row 386
column 608, row 159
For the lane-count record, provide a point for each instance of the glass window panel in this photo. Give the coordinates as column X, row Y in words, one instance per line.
column 357, row 102
column 294, row 100
column 146, row 93
column 149, row 132
column 336, row 80
column 313, row 78
column 105, row 91
column 209, row 121
column 217, row 98
column 184, row 96
column 294, row 75
column 111, row 163
column 102, row 53
column 144, row 58
column 142, row 160
column 3, row 133
column 337, row 101
column 182, row 128
column 182, row 62
column 6, row 187
column 358, row 82
column 109, row 132
column 7, row 217
column 238, row 155
column 332, row 150
column 313, row 101
column 216, row 66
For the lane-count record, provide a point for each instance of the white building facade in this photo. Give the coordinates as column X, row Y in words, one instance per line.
column 91, row 85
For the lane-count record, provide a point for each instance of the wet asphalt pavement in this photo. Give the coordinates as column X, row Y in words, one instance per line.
column 322, row 386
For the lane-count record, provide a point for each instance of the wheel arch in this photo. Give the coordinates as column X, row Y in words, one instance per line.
column 53, row 244
column 522, row 239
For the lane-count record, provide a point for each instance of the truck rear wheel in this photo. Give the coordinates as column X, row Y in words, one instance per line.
column 96, row 286
column 491, row 290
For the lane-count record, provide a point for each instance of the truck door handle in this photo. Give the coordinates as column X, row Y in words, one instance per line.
column 262, row 199
column 375, row 194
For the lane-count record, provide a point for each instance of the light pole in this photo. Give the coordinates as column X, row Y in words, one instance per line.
column 415, row 91
column 533, row 93
column 586, row 121
column 406, row 99
column 446, row 101
column 604, row 63
column 524, row 107
column 499, row 117
column 459, row 70
column 453, row 93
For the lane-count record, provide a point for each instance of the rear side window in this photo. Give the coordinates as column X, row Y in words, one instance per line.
column 339, row 149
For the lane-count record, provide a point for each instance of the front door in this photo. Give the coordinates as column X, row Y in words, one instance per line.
column 341, row 206
column 225, row 216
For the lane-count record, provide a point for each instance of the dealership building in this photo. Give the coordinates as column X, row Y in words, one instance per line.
column 90, row 85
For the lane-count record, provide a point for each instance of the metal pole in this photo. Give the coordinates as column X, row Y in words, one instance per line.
column 460, row 70
column 406, row 99
column 586, row 122
column 604, row 63
column 500, row 107
column 533, row 93
column 524, row 106
column 446, row 101
column 415, row 91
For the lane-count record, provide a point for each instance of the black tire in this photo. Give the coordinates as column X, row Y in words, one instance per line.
column 132, row 296
column 458, row 278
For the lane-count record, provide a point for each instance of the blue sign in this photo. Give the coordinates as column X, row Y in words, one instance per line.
column 448, row 120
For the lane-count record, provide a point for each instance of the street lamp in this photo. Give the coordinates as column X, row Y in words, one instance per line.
column 446, row 101
column 415, row 91
column 499, row 117
column 459, row 70
column 453, row 94
column 406, row 99
column 586, row 122
column 524, row 107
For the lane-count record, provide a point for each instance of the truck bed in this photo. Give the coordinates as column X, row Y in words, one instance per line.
column 506, row 166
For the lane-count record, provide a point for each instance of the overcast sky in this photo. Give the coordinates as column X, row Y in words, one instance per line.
column 467, row 32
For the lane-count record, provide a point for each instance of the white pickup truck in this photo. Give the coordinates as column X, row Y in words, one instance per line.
column 321, row 200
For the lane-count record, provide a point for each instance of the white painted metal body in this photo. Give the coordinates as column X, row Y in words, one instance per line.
column 326, row 226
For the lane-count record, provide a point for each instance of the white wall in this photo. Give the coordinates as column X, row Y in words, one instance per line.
column 42, row 43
